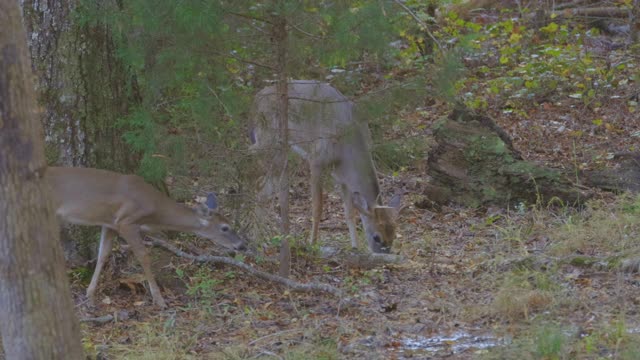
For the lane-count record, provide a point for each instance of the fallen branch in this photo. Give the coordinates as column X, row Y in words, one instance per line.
column 605, row 12
column 371, row 260
column 294, row 286
column 116, row 316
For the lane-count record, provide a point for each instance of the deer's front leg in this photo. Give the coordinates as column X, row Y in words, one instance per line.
column 316, row 201
column 131, row 233
column 350, row 215
column 106, row 244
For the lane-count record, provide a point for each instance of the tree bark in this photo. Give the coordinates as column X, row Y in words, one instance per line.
column 280, row 36
column 36, row 310
column 81, row 84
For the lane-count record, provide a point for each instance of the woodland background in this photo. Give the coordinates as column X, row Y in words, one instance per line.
column 535, row 268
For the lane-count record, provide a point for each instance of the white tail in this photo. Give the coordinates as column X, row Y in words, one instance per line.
column 127, row 205
column 323, row 131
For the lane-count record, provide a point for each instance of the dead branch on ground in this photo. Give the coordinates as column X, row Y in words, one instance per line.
column 294, row 286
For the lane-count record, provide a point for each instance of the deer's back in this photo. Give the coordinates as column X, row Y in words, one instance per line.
column 88, row 196
column 321, row 119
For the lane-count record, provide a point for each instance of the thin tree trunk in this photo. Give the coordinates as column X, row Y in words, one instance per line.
column 280, row 30
column 280, row 35
column 36, row 310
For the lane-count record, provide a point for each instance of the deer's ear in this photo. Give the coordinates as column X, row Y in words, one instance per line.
column 396, row 201
column 203, row 210
column 360, row 203
column 212, row 201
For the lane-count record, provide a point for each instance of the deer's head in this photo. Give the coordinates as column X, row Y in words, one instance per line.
column 214, row 226
column 379, row 221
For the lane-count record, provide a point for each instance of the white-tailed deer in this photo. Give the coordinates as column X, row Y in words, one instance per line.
column 324, row 132
column 127, row 205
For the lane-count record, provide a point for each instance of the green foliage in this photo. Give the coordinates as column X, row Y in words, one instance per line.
column 81, row 274
column 202, row 285
column 192, row 65
column 536, row 65
column 401, row 154
column 170, row 48
column 550, row 342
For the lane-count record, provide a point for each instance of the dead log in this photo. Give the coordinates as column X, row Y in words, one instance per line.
column 625, row 176
column 474, row 163
column 599, row 12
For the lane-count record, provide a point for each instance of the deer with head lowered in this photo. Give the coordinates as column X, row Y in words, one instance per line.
column 128, row 206
column 324, row 132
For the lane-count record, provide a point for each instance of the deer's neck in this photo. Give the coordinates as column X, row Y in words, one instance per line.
column 174, row 217
column 358, row 174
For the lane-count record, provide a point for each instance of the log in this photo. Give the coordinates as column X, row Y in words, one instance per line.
column 624, row 177
column 475, row 164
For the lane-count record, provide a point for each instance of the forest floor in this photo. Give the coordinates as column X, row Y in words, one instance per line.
column 531, row 282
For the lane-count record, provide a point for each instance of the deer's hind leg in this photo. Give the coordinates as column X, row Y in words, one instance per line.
column 106, row 244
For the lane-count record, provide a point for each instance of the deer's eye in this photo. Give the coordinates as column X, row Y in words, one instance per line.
column 224, row 228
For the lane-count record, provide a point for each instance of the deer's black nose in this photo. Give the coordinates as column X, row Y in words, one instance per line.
column 377, row 238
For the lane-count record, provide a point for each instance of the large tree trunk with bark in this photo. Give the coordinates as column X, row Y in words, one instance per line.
column 474, row 164
column 82, row 85
column 36, row 310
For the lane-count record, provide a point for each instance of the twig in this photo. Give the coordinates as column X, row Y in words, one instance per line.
column 246, row 61
column 250, row 17
column 294, row 27
column 420, row 22
column 292, row 285
column 226, row 110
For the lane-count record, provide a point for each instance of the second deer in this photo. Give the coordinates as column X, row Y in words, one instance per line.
column 128, row 206
column 325, row 133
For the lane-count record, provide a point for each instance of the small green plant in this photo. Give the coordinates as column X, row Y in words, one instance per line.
column 400, row 154
column 202, row 285
column 81, row 274
column 550, row 342
column 524, row 292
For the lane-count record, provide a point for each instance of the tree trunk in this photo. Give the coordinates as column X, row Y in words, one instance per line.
column 81, row 84
column 36, row 310
column 280, row 35
column 280, row 38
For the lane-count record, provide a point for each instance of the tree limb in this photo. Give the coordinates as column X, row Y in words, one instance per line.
column 292, row 285
column 245, row 61
column 419, row 21
column 250, row 17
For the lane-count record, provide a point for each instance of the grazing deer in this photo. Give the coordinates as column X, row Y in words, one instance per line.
column 323, row 131
column 128, row 206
